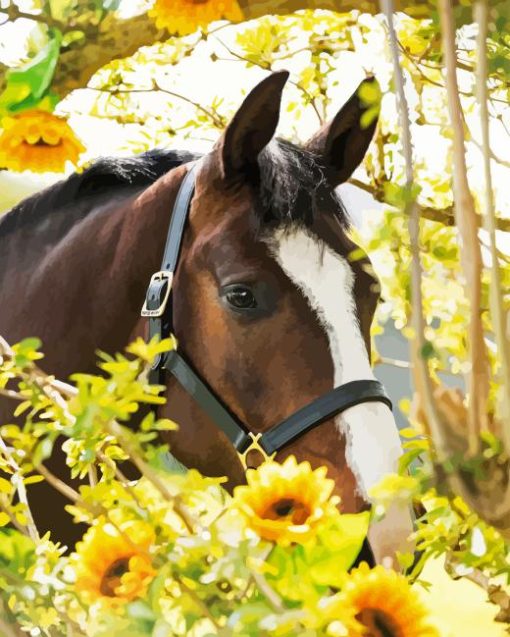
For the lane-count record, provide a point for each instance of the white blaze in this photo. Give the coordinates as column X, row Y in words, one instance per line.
column 326, row 280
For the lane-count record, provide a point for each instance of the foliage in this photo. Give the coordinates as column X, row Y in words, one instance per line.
column 315, row 46
column 172, row 553
column 445, row 525
column 140, row 91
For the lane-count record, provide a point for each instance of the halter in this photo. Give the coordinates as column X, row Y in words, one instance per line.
column 158, row 309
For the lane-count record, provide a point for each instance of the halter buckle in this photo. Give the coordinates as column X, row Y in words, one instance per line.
column 254, row 445
column 158, row 278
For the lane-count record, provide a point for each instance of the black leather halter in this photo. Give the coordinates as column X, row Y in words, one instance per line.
column 158, row 309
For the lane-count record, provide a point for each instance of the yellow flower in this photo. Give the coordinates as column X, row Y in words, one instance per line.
column 112, row 564
column 39, row 141
column 186, row 16
column 384, row 604
column 286, row 502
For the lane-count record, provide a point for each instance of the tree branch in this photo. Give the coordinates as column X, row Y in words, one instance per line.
column 467, row 223
column 13, row 13
column 115, row 39
column 440, row 215
column 497, row 311
column 7, row 629
column 218, row 120
column 17, row 480
column 112, row 39
column 267, row 67
column 421, row 372
column 257, row 8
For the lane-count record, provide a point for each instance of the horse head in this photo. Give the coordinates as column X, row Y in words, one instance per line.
column 272, row 310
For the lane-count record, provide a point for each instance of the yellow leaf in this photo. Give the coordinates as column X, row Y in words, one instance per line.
column 33, row 479
column 21, row 517
column 5, row 486
column 23, row 406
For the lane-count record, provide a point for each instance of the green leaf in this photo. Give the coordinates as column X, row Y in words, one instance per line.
column 427, row 351
column 339, row 546
column 26, row 351
column 27, row 85
column 111, row 5
column 14, row 93
column 369, row 93
column 140, row 610
column 42, row 451
column 369, row 116
column 61, row 9
column 409, row 432
column 407, row 459
column 16, row 550
column 70, row 37
column 28, row 344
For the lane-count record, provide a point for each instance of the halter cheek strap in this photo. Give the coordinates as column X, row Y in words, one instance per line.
column 158, row 309
column 158, row 302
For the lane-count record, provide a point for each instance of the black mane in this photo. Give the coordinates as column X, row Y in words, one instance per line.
column 292, row 185
column 104, row 174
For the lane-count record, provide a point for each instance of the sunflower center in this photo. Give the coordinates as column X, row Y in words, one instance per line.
column 40, row 142
column 297, row 511
column 112, row 576
column 377, row 623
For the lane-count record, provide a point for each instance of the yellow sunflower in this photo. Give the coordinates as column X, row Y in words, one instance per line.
column 39, row 141
column 113, row 564
column 286, row 502
column 186, row 16
column 384, row 604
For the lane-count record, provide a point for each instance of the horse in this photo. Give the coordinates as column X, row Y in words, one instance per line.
column 267, row 304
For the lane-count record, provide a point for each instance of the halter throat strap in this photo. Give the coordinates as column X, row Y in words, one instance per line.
column 158, row 309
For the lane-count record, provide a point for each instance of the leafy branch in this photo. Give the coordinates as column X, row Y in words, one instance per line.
column 411, row 211
column 13, row 13
column 445, row 216
column 218, row 120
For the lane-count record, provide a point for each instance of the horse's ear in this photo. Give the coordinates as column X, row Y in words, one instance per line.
column 343, row 142
column 252, row 127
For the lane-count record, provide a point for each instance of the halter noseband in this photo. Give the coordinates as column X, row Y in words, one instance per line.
column 158, row 309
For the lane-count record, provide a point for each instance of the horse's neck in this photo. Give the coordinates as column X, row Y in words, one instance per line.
column 86, row 293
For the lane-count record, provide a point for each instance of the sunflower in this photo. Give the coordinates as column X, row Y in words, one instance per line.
column 185, row 16
column 384, row 604
column 286, row 502
column 112, row 563
column 39, row 141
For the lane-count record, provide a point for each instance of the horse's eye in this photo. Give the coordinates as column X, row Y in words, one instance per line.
column 241, row 298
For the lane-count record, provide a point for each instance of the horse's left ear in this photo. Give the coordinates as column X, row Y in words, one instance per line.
column 343, row 142
column 252, row 127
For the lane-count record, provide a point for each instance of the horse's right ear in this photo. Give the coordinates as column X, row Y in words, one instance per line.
column 342, row 143
column 252, row 127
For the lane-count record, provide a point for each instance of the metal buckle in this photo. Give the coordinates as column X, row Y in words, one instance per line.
column 254, row 445
column 159, row 276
